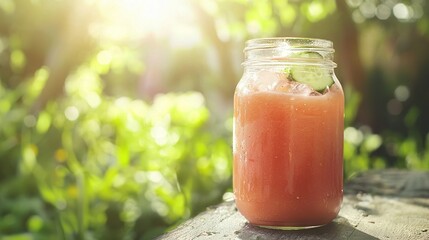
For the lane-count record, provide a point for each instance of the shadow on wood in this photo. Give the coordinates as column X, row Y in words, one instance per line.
column 338, row 229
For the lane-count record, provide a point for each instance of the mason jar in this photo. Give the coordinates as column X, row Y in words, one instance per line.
column 288, row 134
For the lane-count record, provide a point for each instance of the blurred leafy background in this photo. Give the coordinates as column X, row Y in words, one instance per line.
column 115, row 116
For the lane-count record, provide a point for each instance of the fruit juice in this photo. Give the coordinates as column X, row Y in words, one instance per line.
column 288, row 152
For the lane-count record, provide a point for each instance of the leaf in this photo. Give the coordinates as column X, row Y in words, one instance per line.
column 17, row 60
column 372, row 142
column 29, row 154
column 35, row 223
column 43, row 122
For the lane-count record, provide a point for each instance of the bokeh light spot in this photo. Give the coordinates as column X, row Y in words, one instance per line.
column 155, row 177
column 315, row 11
column 368, row 9
column 71, row 113
column 402, row 93
column 93, row 100
column 357, row 16
column 30, row 121
column 401, row 11
column 353, row 135
column 383, row 12
column 104, row 57
column 159, row 134
column 140, row 177
column 354, row 3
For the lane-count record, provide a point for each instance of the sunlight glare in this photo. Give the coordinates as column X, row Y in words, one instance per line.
column 154, row 17
column 134, row 20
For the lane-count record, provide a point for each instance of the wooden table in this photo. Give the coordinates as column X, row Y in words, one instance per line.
column 384, row 204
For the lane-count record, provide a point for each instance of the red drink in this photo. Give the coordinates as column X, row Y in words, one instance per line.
column 288, row 150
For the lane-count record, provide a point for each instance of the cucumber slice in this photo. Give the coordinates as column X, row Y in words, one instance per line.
column 319, row 78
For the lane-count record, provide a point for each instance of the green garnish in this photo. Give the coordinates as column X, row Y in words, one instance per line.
column 317, row 77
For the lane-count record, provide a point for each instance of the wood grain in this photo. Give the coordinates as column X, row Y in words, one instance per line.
column 389, row 204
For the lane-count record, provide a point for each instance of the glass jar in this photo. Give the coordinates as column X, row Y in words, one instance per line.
column 288, row 134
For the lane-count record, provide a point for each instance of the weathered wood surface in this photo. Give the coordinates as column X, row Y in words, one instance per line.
column 388, row 204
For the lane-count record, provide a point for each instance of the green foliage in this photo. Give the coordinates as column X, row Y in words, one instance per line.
column 359, row 144
column 109, row 168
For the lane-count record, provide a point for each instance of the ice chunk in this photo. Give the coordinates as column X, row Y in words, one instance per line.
column 268, row 80
column 294, row 87
column 244, row 87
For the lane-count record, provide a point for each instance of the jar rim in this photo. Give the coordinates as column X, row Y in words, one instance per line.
column 282, row 50
column 289, row 42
